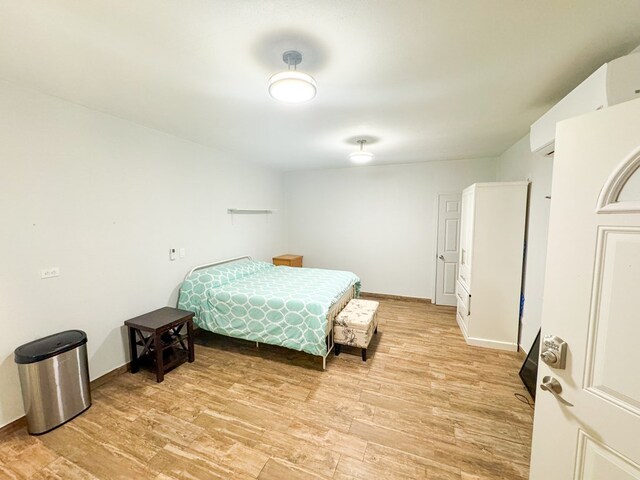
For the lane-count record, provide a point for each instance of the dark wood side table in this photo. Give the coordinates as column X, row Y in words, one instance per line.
column 159, row 335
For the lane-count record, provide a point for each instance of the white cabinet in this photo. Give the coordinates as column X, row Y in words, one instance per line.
column 491, row 256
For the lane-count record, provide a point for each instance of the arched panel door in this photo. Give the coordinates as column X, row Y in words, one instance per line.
column 621, row 192
column 589, row 427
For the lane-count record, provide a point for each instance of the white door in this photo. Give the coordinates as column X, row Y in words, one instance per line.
column 447, row 248
column 592, row 301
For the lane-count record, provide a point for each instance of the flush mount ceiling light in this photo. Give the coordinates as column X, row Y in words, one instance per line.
column 292, row 86
column 360, row 156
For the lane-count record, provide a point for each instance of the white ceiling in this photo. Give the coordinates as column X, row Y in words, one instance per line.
column 424, row 79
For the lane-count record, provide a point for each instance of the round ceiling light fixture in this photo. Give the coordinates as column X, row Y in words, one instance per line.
column 292, row 86
column 360, row 156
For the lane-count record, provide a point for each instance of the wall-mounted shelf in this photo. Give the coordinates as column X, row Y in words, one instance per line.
column 250, row 211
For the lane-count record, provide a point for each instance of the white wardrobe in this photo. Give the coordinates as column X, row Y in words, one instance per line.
column 490, row 269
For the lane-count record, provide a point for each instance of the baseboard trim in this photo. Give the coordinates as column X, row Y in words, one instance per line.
column 481, row 342
column 14, row 426
column 385, row 296
column 522, row 353
column 107, row 377
column 21, row 422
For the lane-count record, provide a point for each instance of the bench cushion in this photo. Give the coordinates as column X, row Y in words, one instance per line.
column 357, row 314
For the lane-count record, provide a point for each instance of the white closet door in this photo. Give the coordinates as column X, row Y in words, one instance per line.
column 448, row 248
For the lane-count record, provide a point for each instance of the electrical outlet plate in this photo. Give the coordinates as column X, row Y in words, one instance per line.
column 50, row 272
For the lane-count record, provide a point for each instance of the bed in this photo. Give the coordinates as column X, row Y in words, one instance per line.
column 257, row 301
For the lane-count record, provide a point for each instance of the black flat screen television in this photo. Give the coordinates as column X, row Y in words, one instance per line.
column 529, row 370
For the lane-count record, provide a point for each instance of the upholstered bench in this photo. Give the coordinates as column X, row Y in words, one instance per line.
column 355, row 325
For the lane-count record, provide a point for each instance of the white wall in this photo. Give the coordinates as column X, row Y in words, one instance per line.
column 376, row 221
column 104, row 199
column 518, row 163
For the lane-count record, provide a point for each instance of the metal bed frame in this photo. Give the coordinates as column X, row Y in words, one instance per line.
column 213, row 264
column 331, row 313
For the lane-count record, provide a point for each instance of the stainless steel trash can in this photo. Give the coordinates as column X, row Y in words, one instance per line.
column 54, row 376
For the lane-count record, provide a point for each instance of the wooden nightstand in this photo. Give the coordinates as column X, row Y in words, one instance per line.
column 163, row 344
column 288, row 260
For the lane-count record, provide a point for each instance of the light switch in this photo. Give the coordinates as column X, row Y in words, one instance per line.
column 183, row 252
column 172, row 254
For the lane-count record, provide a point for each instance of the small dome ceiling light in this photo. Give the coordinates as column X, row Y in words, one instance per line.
column 292, row 86
column 360, row 156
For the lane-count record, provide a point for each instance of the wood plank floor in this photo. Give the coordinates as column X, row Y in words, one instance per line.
column 424, row 406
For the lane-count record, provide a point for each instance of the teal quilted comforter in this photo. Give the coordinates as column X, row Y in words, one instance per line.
column 260, row 302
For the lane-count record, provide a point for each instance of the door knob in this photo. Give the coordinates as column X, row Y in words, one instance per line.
column 551, row 385
column 441, row 257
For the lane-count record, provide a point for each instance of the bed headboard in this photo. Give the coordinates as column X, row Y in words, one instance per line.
column 220, row 262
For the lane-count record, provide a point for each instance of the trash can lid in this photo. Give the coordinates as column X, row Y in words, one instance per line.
column 50, row 346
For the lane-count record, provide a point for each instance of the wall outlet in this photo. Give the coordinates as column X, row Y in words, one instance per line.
column 183, row 252
column 50, row 272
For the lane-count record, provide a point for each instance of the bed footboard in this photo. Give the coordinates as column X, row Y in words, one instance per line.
column 335, row 309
